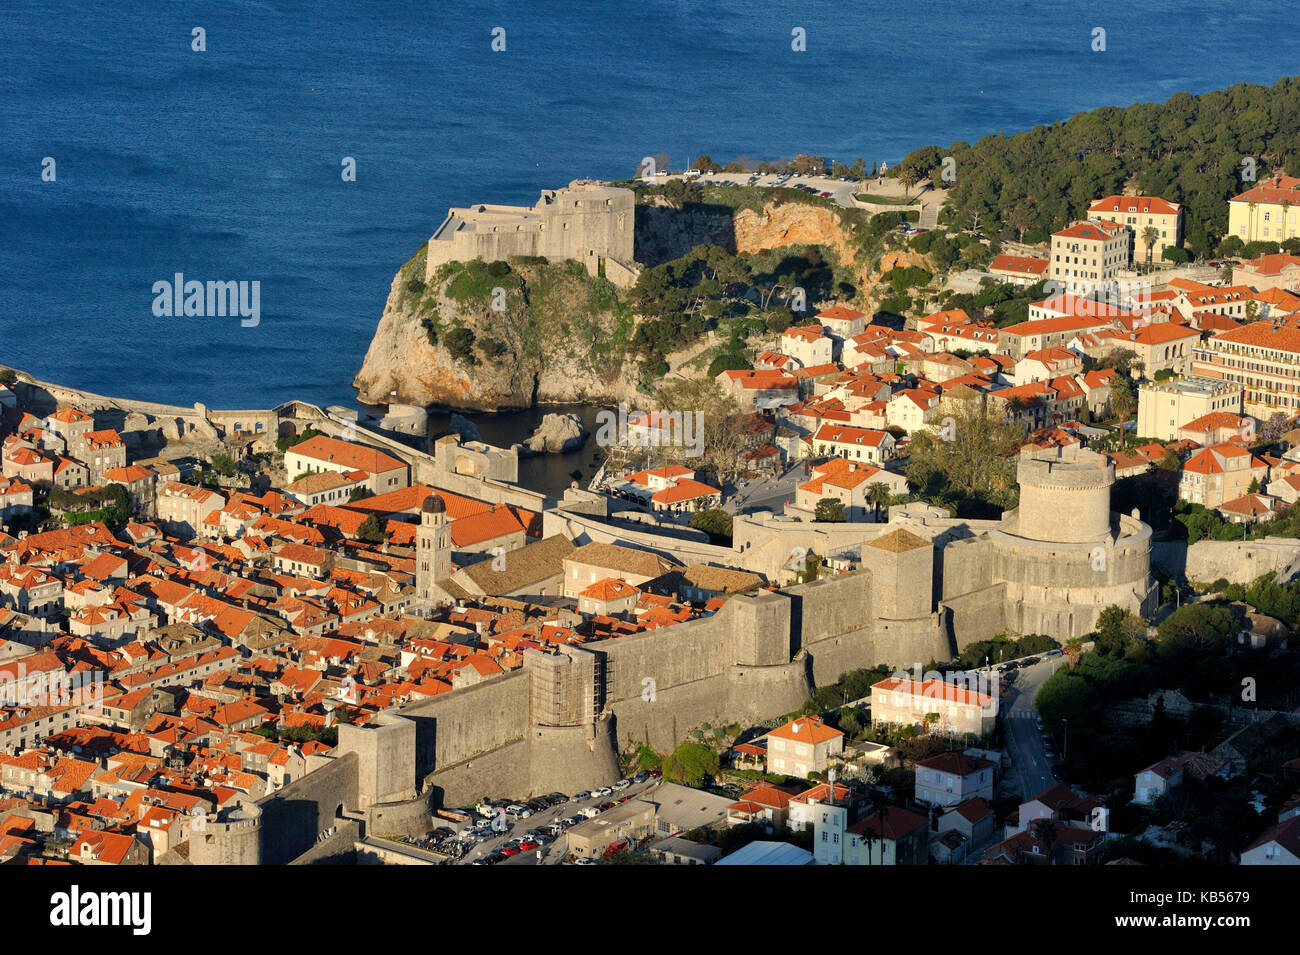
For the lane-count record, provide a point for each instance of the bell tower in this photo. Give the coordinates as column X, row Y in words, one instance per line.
column 433, row 547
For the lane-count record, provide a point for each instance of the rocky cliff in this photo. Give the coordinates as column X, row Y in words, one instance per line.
column 510, row 335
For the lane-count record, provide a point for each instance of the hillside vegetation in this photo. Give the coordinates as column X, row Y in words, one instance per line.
column 1189, row 149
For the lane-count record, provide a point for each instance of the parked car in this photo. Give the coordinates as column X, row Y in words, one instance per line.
column 602, row 791
column 507, row 851
column 589, row 812
column 656, row 773
column 577, row 797
column 528, row 845
column 622, row 784
column 641, row 777
column 1053, row 653
column 1029, row 661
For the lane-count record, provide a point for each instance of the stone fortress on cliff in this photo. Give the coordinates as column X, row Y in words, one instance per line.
column 927, row 585
column 586, row 221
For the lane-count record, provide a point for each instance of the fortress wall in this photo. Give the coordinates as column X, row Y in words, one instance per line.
column 478, row 488
column 338, row 849
column 453, row 727
column 583, row 529
column 832, row 605
column 567, row 759
column 408, row 818
column 747, row 694
column 294, row 817
column 975, row 615
column 671, row 656
column 501, row 772
column 967, row 566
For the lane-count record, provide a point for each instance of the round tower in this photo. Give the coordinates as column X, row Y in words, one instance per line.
column 1064, row 495
column 231, row 837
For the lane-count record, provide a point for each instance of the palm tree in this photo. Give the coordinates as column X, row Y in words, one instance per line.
column 878, row 494
column 909, row 177
column 1149, row 235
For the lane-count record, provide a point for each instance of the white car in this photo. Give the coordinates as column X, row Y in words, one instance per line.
column 590, row 812
column 622, row 784
column 522, row 812
column 602, row 791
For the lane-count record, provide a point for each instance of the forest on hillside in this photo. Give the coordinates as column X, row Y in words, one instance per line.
column 1197, row 150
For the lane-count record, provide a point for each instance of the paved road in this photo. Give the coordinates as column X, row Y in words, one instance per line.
column 766, row 493
column 1030, row 771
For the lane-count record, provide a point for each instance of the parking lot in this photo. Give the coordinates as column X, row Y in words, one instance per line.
column 526, row 831
column 840, row 191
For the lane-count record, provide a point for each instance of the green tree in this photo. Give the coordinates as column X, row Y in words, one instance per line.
column 1046, row 833
column 830, row 510
column 460, row 343
column 8, row 377
column 879, row 495
column 371, row 530
column 1150, row 236
column 223, row 464
column 715, row 522
column 691, row 764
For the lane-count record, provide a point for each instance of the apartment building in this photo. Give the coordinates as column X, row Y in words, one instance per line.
column 185, row 507
column 1278, row 271
column 1140, row 213
column 849, row 483
column 321, row 453
column 1089, row 254
column 1267, row 212
column 1222, row 472
column 1263, row 358
column 803, row 746
column 945, row 706
column 894, row 836
column 1165, row 407
column 861, row 445
column 808, row 344
column 952, row 778
column 1020, row 270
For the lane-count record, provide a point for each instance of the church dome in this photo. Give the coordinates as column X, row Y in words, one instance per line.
column 433, row 504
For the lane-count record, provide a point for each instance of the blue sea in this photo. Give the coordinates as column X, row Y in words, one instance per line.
column 225, row 164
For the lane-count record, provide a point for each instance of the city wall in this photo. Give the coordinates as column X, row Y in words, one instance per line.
column 294, row 817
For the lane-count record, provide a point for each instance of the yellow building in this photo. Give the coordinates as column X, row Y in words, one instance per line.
column 1270, row 212
column 1263, row 358
column 1140, row 213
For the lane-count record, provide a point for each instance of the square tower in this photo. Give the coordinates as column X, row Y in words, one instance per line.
column 902, row 571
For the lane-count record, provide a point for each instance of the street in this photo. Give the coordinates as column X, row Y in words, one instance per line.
column 1031, row 770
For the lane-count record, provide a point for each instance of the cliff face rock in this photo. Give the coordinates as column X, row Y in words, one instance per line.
column 793, row 223
column 553, row 334
column 557, row 434
column 458, row 343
